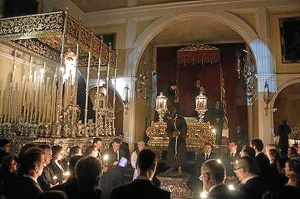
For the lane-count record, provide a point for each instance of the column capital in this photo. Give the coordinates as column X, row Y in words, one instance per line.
column 270, row 79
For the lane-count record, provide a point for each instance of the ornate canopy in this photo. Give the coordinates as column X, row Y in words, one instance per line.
column 48, row 34
column 198, row 54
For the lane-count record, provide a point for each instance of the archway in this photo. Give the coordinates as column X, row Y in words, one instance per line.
column 287, row 108
column 164, row 22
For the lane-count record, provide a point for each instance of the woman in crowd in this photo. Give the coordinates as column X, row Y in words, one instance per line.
column 140, row 146
column 56, row 175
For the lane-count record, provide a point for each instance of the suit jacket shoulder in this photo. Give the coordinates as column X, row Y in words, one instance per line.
column 139, row 189
column 25, row 187
column 221, row 191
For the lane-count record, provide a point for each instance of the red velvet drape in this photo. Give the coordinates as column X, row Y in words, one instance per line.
column 209, row 75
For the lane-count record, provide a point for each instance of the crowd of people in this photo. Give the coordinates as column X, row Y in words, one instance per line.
column 257, row 171
column 254, row 171
column 77, row 172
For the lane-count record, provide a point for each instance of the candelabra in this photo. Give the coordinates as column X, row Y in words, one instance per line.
column 161, row 106
column 201, row 106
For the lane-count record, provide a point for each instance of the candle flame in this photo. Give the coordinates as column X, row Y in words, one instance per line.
column 105, row 157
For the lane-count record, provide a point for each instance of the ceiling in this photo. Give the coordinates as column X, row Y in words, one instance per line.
column 98, row 5
column 196, row 30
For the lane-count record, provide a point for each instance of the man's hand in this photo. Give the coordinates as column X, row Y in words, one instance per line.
column 116, row 163
column 176, row 133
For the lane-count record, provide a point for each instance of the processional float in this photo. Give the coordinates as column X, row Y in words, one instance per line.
column 44, row 104
column 200, row 131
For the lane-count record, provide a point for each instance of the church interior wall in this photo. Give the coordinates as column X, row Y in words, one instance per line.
column 248, row 16
column 120, row 28
column 287, row 105
column 275, row 45
column 288, row 74
column 251, row 19
column 142, row 25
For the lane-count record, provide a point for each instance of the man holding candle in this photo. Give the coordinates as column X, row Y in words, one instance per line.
column 42, row 180
column 113, row 170
column 98, row 143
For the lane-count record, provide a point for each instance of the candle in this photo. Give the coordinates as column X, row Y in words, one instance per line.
column 66, row 175
column 54, row 180
column 105, row 157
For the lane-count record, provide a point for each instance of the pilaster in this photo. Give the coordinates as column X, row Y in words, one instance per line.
column 129, row 115
column 264, row 111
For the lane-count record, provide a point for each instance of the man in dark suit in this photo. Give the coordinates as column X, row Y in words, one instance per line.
column 201, row 157
column 251, row 185
column 30, row 168
column 240, row 136
column 217, row 120
column 124, row 145
column 262, row 160
column 204, row 155
column 213, row 176
column 171, row 92
column 113, row 171
column 142, row 187
column 229, row 159
column 45, row 179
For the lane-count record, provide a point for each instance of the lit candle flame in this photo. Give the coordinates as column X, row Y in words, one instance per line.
column 203, row 195
column 67, row 173
column 231, row 187
column 105, row 157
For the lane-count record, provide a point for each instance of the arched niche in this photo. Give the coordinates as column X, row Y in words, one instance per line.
column 286, row 103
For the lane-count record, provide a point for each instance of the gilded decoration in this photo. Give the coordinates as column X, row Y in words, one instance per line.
column 51, row 26
column 31, row 25
column 53, row 41
column 197, row 134
column 198, row 54
column 39, row 48
column 44, row 106
column 73, row 28
column 176, row 183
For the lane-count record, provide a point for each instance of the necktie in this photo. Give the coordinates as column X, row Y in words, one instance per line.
column 231, row 155
column 206, row 157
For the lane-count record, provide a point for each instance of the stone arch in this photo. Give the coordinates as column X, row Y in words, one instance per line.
column 283, row 86
column 226, row 18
